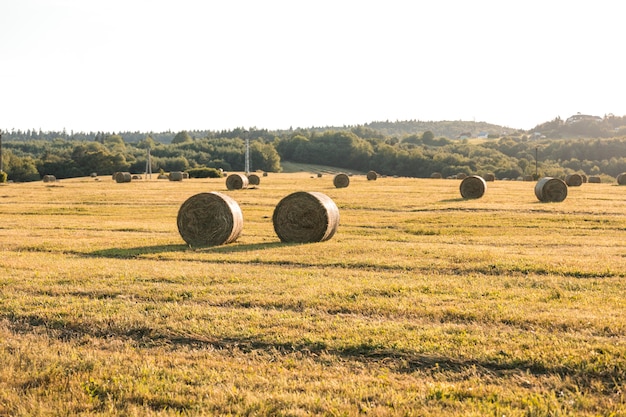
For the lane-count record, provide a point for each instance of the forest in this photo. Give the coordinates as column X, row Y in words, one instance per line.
column 586, row 145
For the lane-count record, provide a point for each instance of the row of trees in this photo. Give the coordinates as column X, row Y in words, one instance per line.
column 359, row 148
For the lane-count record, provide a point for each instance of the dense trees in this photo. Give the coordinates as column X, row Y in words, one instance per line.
column 30, row 155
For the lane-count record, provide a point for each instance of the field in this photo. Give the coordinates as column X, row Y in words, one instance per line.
column 422, row 303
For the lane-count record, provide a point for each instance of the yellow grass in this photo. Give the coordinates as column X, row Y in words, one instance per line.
column 423, row 303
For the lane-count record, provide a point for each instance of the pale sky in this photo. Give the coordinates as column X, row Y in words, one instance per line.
column 155, row 65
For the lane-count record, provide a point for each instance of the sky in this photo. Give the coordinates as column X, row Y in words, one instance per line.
column 155, row 65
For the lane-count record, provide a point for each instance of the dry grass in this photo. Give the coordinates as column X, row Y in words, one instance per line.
column 423, row 303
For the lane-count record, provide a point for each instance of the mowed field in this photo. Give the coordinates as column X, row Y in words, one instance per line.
column 422, row 303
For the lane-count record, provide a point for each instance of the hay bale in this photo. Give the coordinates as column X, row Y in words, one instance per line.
column 574, row 180
column 236, row 182
column 489, row 177
column 176, row 176
column 527, row 178
column 341, row 181
column 49, row 178
column 319, row 175
column 185, row 175
column 209, row 219
column 305, row 217
column 254, row 179
column 550, row 189
column 473, row 186
column 436, row 175
column 123, row 177
column 461, row 176
column 162, row 177
column 372, row 176
column 594, row 179
column 621, row 179
column 136, row 177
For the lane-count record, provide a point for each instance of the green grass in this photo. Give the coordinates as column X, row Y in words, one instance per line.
column 421, row 304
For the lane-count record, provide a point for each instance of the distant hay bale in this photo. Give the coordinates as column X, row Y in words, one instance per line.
column 209, row 219
column 176, row 176
column 584, row 177
column 550, row 189
column 489, row 177
column 162, row 177
column 341, row 181
column 436, row 175
column 136, row 177
column 594, row 179
column 264, row 174
column 473, row 187
column 93, row 174
column 319, row 175
column 254, row 179
column 185, row 175
column 621, row 179
column 305, row 217
column 113, row 176
column 372, row 176
column 461, row 176
column 574, row 180
column 236, row 182
column 527, row 178
column 49, row 178
column 123, row 177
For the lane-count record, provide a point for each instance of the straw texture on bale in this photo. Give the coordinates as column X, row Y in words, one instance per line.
column 254, row 179
column 236, row 182
column 306, row 217
column 372, row 176
column 594, row 179
column 341, row 181
column 473, row 186
column 176, row 176
column 621, row 179
column 123, row 177
column 574, row 180
column 209, row 219
column 550, row 189
column 49, row 178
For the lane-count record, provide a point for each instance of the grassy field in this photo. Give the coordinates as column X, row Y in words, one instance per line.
column 423, row 303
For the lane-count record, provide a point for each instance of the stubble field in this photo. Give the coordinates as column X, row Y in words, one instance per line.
column 422, row 303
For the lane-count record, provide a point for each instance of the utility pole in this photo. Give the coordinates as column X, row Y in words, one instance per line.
column 247, row 167
column 536, row 163
column 1, row 165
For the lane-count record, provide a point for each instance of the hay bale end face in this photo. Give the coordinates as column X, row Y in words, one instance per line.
column 254, row 179
column 209, row 219
column 305, row 217
column 489, row 177
column 473, row 187
column 372, row 176
column 176, row 176
column 121, row 177
column 341, row 181
column 550, row 189
column 236, row 182
column 574, row 180
column 621, row 179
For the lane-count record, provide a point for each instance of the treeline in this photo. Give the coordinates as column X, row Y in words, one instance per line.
column 359, row 148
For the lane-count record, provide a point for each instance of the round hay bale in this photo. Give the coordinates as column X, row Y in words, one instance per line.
column 185, row 175
column 265, row 174
column 176, row 176
column 584, row 178
column 136, row 177
column 305, row 217
column 162, row 177
column 93, row 174
column 49, row 178
column 372, row 176
column 473, row 186
column 461, row 176
column 574, row 180
column 436, row 175
column 594, row 179
column 621, row 179
column 209, row 219
column 489, row 177
column 527, row 178
column 341, row 181
column 123, row 177
column 236, row 182
column 550, row 189
column 319, row 175
column 254, row 179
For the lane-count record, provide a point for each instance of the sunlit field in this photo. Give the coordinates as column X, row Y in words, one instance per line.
column 423, row 303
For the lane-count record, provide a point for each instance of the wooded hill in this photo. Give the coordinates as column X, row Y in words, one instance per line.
column 592, row 146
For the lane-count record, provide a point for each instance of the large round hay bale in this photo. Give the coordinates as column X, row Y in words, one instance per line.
column 372, row 175
column 341, row 181
column 49, row 178
column 209, row 219
column 436, row 175
column 305, row 217
column 549, row 189
column 473, row 186
column 621, row 179
column 123, row 177
column 594, row 179
column 574, row 180
column 236, row 182
column 489, row 177
column 254, row 179
column 176, row 176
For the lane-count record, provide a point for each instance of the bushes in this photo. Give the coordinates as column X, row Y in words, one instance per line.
column 204, row 173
